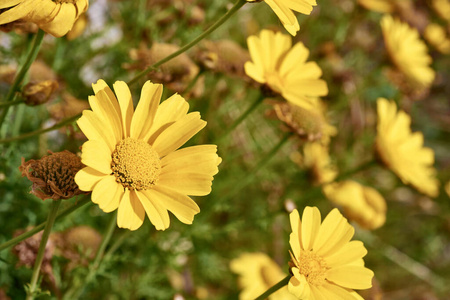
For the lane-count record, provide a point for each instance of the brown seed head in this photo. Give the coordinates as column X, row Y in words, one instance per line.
column 36, row 93
column 53, row 175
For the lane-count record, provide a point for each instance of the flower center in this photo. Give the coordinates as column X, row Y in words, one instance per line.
column 313, row 267
column 135, row 164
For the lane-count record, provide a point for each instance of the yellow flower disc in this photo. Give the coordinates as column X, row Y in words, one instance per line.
column 135, row 164
column 313, row 267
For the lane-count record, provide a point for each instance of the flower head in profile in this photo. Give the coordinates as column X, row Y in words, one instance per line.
column 408, row 52
column 54, row 17
column 360, row 203
column 284, row 68
column 284, row 11
column 132, row 156
column 317, row 159
column 325, row 263
column 402, row 151
column 257, row 273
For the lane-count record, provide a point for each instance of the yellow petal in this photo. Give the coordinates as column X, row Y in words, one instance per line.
column 294, row 237
column 9, row 3
column 182, row 206
column 350, row 252
column 332, row 291
column 17, row 12
column 109, row 113
column 298, row 285
column 94, row 129
column 107, row 194
column 156, row 213
column 178, row 133
column 146, row 109
column 196, row 159
column 131, row 213
column 126, row 106
column 87, row 178
column 351, row 277
column 62, row 22
column 192, row 184
column 96, row 154
column 311, row 220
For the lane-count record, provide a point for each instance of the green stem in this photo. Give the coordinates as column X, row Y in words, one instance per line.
column 19, row 77
column 40, row 255
column 234, row 9
column 41, row 226
column 239, row 120
column 275, row 288
column 11, row 103
column 97, row 260
column 40, row 131
column 261, row 164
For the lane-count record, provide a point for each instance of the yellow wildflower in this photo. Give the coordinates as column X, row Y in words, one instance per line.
column 54, row 17
column 257, row 273
column 402, row 151
column 408, row 52
column 317, row 159
column 325, row 263
column 132, row 160
column 442, row 8
column 284, row 68
column 437, row 37
column 362, row 204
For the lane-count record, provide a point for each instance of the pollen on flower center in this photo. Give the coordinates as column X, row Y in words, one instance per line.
column 135, row 164
column 313, row 267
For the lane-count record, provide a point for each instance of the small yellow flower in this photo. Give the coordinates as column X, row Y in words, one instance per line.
column 402, row 151
column 284, row 11
column 132, row 160
column 54, row 17
column 408, row 52
column 437, row 37
column 325, row 263
column 442, row 8
column 383, row 6
column 362, row 204
column 317, row 159
column 257, row 273
column 284, row 68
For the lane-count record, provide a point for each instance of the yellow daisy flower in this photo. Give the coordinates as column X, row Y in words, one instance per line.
column 325, row 263
column 362, row 204
column 437, row 37
column 132, row 160
column 284, row 11
column 408, row 52
column 54, row 17
column 257, row 273
column 402, row 151
column 284, row 68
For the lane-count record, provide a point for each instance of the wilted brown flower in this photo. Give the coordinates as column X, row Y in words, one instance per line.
column 36, row 93
column 308, row 124
column 176, row 73
column 53, row 175
column 224, row 56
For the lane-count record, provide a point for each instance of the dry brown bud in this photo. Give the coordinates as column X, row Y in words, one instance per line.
column 40, row 92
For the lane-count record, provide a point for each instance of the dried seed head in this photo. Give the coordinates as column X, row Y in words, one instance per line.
column 36, row 93
column 53, row 175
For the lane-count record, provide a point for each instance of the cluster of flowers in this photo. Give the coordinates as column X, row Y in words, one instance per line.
column 132, row 161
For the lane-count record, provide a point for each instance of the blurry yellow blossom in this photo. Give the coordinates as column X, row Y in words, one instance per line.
column 360, row 203
column 257, row 273
column 132, row 160
column 447, row 188
column 284, row 11
column 316, row 158
column 402, row 151
column 284, row 68
column 54, row 17
column 384, row 6
column 437, row 37
column 78, row 28
column 408, row 52
column 325, row 263
column 442, row 8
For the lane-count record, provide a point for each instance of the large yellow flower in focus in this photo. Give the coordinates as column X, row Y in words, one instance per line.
column 402, row 151
column 408, row 52
column 132, row 160
column 325, row 263
column 284, row 11
column 54, row 17
column 284, row 68
column 257, row 273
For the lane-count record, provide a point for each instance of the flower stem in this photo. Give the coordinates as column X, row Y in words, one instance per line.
column 275, row 288
column 40, row 255
column 234, row 9
column 19, row 77
column 11, row 103
column 40, row 131
column 239, row 120
column 41, row 226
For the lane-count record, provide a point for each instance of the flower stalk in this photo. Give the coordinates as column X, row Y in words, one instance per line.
column 40, row 255
column 275, row 288
column 212, row 28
